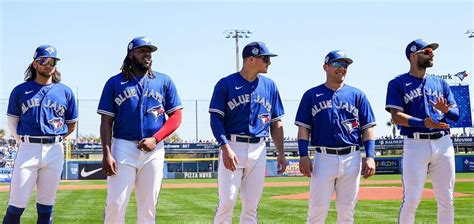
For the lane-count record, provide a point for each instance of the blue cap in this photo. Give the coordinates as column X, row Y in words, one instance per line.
column 141, row 42
column 337, row 55
column 46, row 51
column 419, row 44
column 256, row 49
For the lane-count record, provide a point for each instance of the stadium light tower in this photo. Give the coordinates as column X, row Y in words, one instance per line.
column 236, row 34
column 470, row 33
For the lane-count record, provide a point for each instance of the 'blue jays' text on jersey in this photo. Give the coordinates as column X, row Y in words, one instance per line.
column 248, row 108
column 335, row 118
column 138, row 110
column 412, row 96
column 43, row 110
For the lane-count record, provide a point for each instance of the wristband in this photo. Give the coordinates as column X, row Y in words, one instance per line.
column 303, row 147
column 369, row 147
column 416, row 122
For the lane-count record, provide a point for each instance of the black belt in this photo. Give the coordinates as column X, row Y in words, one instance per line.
column 41, row 140
column 433, row 135
column 244, row 139
column 337, row 151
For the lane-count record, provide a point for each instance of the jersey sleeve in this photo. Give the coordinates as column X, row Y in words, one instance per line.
column 366, row 114
column 277, row 109
column 394, row 97
column 14, row 107
column 71, row 115
column 303, row 115
column 106, row 102
column 173, row 102
column 217, row 104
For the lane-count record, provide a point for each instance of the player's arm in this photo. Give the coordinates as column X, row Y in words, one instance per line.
column 368, row 137
column 306, row 167
column 108, row 162
column 70, row 128
column 173, row 122
column 12, row 125
column 276, row 130
column 228, row 156
column 406, row 120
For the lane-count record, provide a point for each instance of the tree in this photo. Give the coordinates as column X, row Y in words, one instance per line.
column 174, row 138
column 2, row 133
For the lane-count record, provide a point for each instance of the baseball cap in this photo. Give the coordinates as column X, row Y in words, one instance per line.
column 419, row 44
column 256, row 49
column 337, row 55
column 141, row 42
column 46, row 51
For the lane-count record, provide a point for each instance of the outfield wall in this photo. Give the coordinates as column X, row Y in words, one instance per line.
column 207, row 168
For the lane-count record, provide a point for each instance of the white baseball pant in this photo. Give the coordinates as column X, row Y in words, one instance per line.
column 436, row 157
column 339, row 173
column 249, row 178
column 136, row 169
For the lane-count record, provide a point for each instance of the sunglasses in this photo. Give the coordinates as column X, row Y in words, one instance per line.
column 426, row 51
column 47, row 61
column 339, row 64
column 265, row 59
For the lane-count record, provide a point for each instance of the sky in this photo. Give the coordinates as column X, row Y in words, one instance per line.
column 91, row 38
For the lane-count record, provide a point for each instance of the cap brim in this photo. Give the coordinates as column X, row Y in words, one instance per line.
column 152, row 47
column 269, row 54
column 48, row 57
column 433, row 46
column 347, row 60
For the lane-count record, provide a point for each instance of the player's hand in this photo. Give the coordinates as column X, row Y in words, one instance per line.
column 430, row 123
column 306, row 167
column 368, row 168
column 229, row 158
column 441, row 104
column 281, row 163
column 147, row 144
column 109, row 166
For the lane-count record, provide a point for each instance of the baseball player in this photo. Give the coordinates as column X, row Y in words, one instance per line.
column 41, row 113
column 244, row 107
column 339, row 119
column 133, row 106
column 421, row 104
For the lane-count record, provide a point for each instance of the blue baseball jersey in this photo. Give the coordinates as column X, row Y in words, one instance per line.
column 412, row 96
column 138, row 106
column 335, row 118
column 248, row 108
column 43, row 110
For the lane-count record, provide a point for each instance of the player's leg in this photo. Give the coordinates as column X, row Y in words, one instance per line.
column 119, row 187
column 347, row 186
column 229, row 184
column 416, row 156
column 321, row 187
column 252, row 182
column 24, row 176
column 49, row 176
column 148, row 185
column 442, row 172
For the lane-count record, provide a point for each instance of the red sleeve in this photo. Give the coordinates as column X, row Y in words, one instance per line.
column 170, row 126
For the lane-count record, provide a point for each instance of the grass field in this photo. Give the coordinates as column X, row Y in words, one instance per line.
column 198, row 205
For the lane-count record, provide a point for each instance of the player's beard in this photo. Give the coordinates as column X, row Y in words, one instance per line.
column 140, row 66
column 425, row 63
column 46, row 74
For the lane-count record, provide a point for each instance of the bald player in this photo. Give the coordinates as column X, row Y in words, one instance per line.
column 245, row 109
column 41, row 112
column 421, row 104
column 133, row 106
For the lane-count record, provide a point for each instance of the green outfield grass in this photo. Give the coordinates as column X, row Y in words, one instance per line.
column 198, row 205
